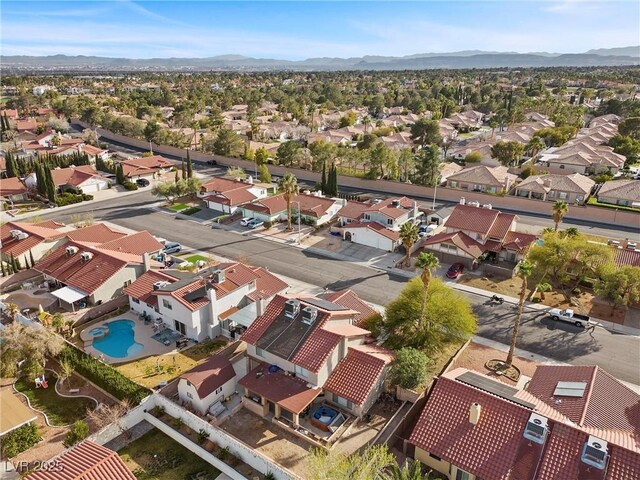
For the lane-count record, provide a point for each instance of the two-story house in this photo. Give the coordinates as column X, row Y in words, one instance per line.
column 474, row 233
column 220, row 300
column 377, row 224
column 306, row 353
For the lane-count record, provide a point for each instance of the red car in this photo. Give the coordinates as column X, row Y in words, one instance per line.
column 455, row 270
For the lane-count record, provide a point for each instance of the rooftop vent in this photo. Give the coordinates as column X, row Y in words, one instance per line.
column 594, row 453
column 570, row 389
column 291, row 308
column 159, row 285
column 15, row 233
column 309, row 315
column 86, row 256
column 200, row 263
column 395, row 203
column 474, row 413
column 536, row 429
column 463, row 200
column 474, row 204
column 488, row 206
column 218, row 276
column 22, row 236
column 71, row 250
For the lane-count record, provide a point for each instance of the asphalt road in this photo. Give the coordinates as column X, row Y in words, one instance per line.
column 618, row 354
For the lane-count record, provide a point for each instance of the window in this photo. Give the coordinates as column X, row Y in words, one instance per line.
column 167, row 304
column 127, row 283
column 259, row 352
column 301, row 371
column 219, row 390
column 180, row 327
column 435, row 457
column 561, row 167
column 189, row 395
column 562, row 195
column 454, row 184
column 135, row 300
column 367, row 216
column 389, row 221
column 462, row 475
column 343, row 402
column 579, row 198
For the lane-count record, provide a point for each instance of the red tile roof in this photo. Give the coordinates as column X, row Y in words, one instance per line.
column 12, row 186
column 376, row 228
column 501, row 226
column 38, row 233
column 26, row 124
column 358, row 374
column 267, row 284
column 353, row 210
column 459, row 239
column 288, row 392
column 316, row 348
column 74, row 176
column 480, row 220
column 142, row 288
column 87, row 461
column 348, row 299
column 97, row 233
column 144, row 165
column 223, row 185
column 263, row 322
column 518, row 241
column 310, row 205
column 137, row 243
column 210, row 375
column 626, row 256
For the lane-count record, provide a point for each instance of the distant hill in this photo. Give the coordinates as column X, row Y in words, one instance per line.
column 464, row 59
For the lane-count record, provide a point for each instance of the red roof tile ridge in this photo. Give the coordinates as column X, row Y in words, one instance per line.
column 587, row 395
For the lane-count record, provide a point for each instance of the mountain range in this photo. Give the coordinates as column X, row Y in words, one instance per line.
column 453, row 60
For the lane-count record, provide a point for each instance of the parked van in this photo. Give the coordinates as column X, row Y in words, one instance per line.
column 171, row 247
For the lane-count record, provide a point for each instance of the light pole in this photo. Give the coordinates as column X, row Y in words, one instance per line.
column 299, row 215
column 435, row 190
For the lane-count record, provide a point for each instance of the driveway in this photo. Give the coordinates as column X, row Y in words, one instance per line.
column 354, row 251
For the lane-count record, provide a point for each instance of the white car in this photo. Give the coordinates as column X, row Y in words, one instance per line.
column 245, row 221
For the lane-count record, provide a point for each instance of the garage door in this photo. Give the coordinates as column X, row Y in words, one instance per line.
column 90, row 188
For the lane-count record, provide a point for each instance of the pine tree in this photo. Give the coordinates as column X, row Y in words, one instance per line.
column 4, row 271
column 12, row 167
column 17, row 267
column 189, row 165
column 26, row 262
column 184, row 170
column 323, row 181
column 177, row 179
column 120, row 175
column 335, row 181
column 12, row 262
column 33, row 262
column 51, row 186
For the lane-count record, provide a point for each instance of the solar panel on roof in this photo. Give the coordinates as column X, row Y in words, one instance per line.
column 496, row 388
column 324, row 304
column 570, row 389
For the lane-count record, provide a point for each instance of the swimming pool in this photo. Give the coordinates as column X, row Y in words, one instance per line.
column 119, row 342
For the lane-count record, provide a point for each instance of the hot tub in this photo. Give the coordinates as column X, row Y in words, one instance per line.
column 326, row 418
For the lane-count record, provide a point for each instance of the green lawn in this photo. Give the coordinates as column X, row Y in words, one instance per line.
column 190, row 211
column 195, row 258
column 178, row 206
column 155, row 456
column 60, row 410
column 594, row 201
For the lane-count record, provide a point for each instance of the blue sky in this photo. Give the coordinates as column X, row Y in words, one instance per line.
column 303, row 29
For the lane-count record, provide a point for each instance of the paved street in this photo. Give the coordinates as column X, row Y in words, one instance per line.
column 616, row 353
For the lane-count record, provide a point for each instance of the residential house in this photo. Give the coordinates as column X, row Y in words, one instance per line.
column 377, row 224
column 303, row 347
column 625, row 193
column 481, row 178
column 26, row 125
column 145, row 167
column 447, row 169
column 221, row 300
column 483, row 147
column 227, row 195
column 9, row 113
column 610, row 119
column 24, row 240
column 573, row 188
column 584, row 159
column 91, row 269
column 475, row 233
column 205, row 387
column 85, row 461
column 348, row 299
column 314, row 209
column 13, row 190
column 570, row 422
column 467, row 121
column 84, row 178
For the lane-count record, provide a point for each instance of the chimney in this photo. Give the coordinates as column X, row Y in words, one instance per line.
column 260, row 306
column 474, row 413
column 462, row 201
column 146, row 261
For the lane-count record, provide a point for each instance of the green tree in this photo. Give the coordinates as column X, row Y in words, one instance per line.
column 323, row 179
column 120, row 178
column 619, row 286
column 426, row 132
column 409, row 369
column 78, row 432
column 237, row 173
column 228, row 143
column 408, row 471
column 428, row 166
column 249, row 154
column 33, row 345
column 20, row 440
column 322, row 152
column 534, row 146
column 289, row 188
column 66, row 371
column 558, row 210
column 507, row 153
column 151, row 131
column 11, row 166
column 189, row 165
column 336, row 465
column 630, row 127
column 525, row 268
column 261, row 156
column 263, row 174
column 473, row 157
column 167, row 190
column 406, row 164
column 409, row 235
column 426, row 262
column 348, row 119
column 287, row 153
column 447, row 317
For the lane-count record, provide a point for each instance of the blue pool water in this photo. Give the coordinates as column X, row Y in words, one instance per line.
column 120, row 341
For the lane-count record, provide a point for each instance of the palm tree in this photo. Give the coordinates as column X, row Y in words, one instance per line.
column 409, row 235
column 289, row 188
column 408, row 471
column 66, row 371
column 559, row 210
column 535, row 145
column 426, row 261
column 524, row 272
column 13, row 310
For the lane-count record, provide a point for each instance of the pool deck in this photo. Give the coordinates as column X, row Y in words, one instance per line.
column 142, row 334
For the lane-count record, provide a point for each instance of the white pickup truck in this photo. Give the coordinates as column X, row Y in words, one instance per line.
column 570, row 316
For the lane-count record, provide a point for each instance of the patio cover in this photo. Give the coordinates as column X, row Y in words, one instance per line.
column 14, row 412
column 245, row 316
column 69, row 294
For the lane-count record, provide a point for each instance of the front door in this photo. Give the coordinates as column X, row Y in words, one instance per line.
column 180, row 327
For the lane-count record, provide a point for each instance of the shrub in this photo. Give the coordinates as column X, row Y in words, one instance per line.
column 267, row 225
column 177, row 422
column 409, row 369
column 79, row 431
column 202, row 436
column 129, row 185
column 269, row 476
column 69, row 199
column 104, row 376
column 224, row 453
column 19, row 440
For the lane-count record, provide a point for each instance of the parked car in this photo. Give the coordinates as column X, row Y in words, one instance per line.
column 142, row 182
column 455, row 270
column 246, row 220
column 570, row 316
column 171, row 247
column 255, row 223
